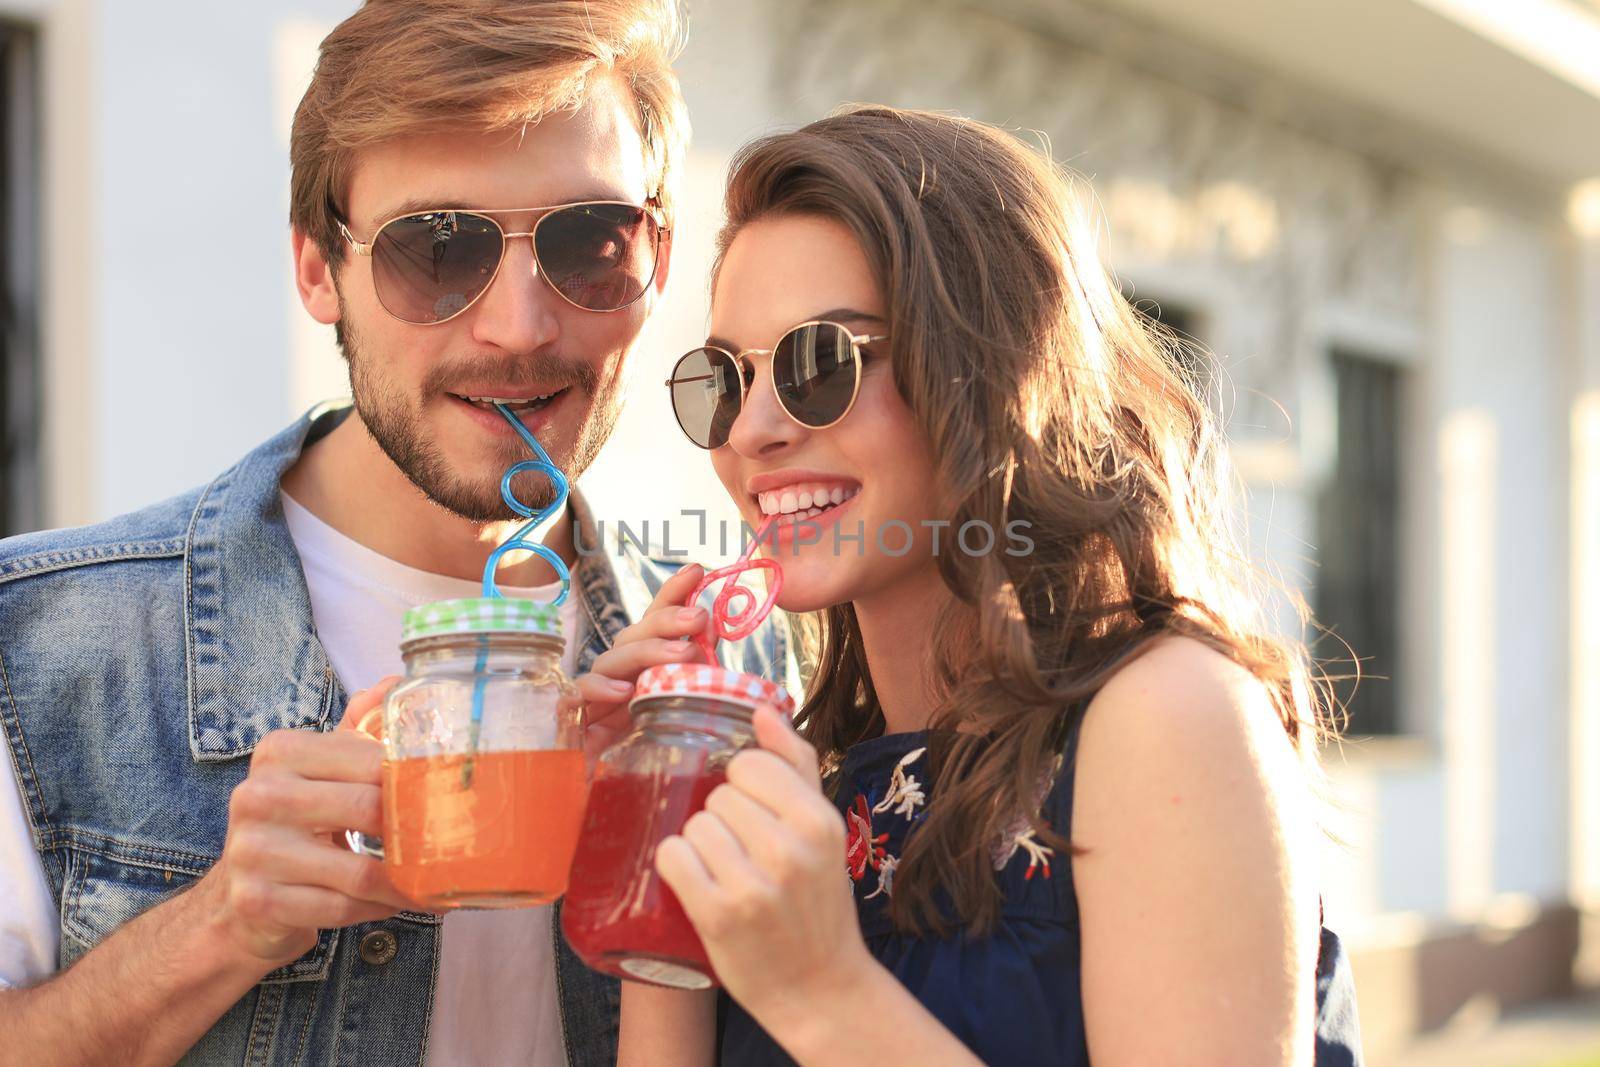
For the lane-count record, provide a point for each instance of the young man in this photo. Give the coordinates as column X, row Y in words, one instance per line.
column 170, row 680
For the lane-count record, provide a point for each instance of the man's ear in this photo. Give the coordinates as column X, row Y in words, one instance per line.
column 313, row 278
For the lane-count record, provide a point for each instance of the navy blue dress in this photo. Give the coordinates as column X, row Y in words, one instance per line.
column 1014, row 997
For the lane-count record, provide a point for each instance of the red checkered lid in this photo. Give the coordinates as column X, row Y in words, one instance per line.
column 718, row 683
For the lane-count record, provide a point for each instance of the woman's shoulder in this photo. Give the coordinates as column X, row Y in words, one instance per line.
column 1195, row 844
column 1179, row 693
column 1182, row 725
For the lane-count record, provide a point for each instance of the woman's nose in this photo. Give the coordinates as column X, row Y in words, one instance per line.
column 762, row 427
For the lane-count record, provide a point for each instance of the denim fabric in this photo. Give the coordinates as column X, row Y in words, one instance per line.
column 142, row 659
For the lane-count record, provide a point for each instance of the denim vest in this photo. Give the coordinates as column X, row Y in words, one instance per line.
column 142, row 659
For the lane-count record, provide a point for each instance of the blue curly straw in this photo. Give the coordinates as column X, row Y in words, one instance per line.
column 521, row 541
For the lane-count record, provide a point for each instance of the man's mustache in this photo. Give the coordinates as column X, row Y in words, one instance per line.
column 539, row 369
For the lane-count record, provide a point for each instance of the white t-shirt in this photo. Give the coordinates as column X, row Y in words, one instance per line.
column 496, row 998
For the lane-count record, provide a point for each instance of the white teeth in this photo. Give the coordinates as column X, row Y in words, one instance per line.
column 795, row 500
column 508, row 401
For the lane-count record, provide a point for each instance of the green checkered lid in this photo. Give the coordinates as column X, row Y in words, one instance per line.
column 482, row 615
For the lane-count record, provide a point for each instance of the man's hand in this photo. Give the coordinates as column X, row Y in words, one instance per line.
column 285, row 872
column 151, row 989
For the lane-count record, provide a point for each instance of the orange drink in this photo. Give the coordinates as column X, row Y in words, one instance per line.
column 499, row 834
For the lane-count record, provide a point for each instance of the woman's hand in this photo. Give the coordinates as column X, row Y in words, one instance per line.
column 660, row 636
column 760, row 872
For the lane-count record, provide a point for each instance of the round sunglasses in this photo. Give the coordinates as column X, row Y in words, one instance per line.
column 816, row 373
column 430, row 266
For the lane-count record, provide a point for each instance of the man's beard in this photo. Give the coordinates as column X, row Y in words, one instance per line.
column 398, row 428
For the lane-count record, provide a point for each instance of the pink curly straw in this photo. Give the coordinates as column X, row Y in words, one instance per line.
column 730, row 623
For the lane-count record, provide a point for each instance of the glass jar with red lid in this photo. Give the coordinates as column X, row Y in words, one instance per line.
column 618, row 915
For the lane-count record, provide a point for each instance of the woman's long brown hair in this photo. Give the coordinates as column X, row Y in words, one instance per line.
column 1047, row 399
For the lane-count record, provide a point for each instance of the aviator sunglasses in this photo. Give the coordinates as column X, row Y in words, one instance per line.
column 430, row 266
column 816, row 373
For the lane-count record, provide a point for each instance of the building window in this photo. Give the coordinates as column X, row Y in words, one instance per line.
column 20, row 476
column 1359, row 537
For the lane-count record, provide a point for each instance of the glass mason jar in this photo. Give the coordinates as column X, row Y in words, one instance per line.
column 484, row 780
column 688, row 721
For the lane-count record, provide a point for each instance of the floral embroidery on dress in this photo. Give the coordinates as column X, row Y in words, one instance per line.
column 862, row 849
column 865, row 850
column 886, row 868
column 1020, row 835
column 905, row 794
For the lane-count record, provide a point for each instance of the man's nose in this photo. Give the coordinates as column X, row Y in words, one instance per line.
column 518, row 313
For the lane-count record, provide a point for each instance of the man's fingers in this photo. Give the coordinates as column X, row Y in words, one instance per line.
column 341, row 756
column 304, row 907
column 309, row 804
column 284, row 857
column 366, row 700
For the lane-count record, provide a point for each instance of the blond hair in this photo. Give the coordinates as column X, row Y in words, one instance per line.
column 403, row 67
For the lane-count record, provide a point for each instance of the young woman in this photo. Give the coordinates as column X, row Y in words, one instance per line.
column 1052, row 795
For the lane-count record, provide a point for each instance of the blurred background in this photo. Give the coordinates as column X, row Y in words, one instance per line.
column 1382, row 215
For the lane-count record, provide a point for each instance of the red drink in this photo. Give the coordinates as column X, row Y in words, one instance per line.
column 689, row 719
column 618, row 914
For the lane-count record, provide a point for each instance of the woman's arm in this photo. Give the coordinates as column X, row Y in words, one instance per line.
column 666, row 1027
column 760, row 873
column 862, row 1015
column 1196, row 886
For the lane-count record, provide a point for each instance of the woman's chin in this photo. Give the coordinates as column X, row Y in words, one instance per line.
column 801, row 601
column 813, row 589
